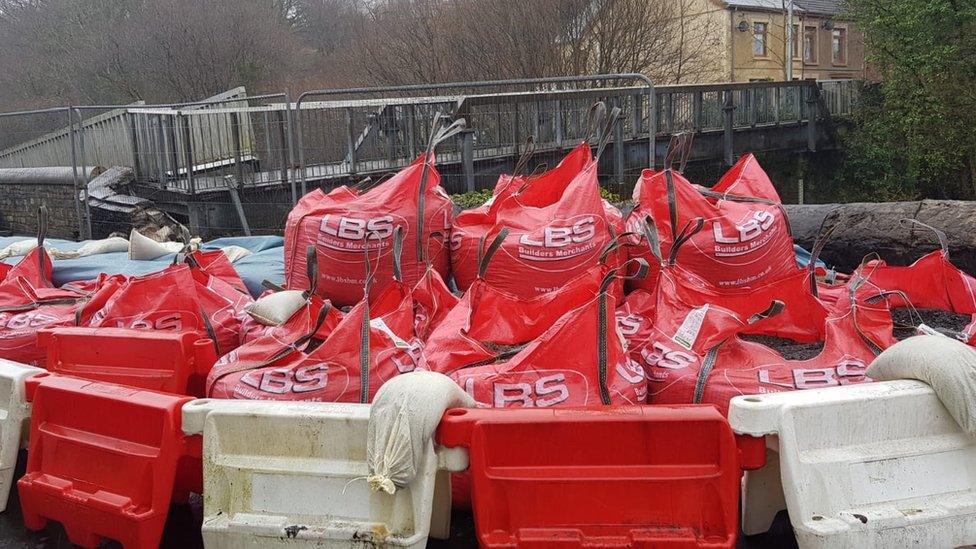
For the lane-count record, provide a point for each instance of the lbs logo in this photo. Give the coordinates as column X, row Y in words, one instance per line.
column 845, row 373
column 560, row 241
column 163, row 321
column 662, row 356
column 24, row 321
column 352, row 228
column 753, row 228
column 546, row 391
column 280, row 381
column 560, row 237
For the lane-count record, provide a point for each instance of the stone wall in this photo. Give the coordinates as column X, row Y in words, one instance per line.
column 19, row 203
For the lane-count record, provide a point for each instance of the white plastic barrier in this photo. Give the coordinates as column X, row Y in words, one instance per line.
column 869, row 465
column 15, row 413
column 282, row 474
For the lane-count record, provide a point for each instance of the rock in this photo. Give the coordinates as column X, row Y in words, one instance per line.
column 863, row 228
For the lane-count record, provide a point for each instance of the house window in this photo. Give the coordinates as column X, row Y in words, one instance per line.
column 839, row 46
column 796, row 41
column 760, row 32
column 810, row 45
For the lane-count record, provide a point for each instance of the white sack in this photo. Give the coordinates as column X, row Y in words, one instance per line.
column 105, row 246
column 19, row 248
column 143, row 248
column 274, row 309
column 402, row 421
column 946, row 364
column 235, row 253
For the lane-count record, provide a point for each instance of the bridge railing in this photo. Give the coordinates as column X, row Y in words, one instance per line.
column 354, row 132
column 235, row 140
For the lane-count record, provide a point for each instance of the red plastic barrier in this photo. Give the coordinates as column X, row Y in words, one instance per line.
column 172, row 362
column 106, row 460
column 627, row 476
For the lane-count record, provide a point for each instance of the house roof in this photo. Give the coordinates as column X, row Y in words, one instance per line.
column 820, row 7
column 823, row 7
column 776, row 5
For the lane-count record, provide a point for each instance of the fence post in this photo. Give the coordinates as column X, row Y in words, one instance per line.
column 652, row 128
column 696, row 111
column 235, row 124
column 776, row 99
column 134, row 136
column 158, row 159
column 74, row 170
column 618, row 150
column 350, row 142
column 729, row 111
column 412, row 130
column 285, row 156
column 187, row 152
column 84, row 170
column 559, row 123
column 813, row 112
column 174, row 156
column 467, row 158
column 290, row 143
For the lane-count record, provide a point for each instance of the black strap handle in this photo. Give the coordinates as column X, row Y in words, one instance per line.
column 616, row 242
column 397, row 253
column 42, row 221
column 438, row 134
column 484, row 256
column 311, row 270
column 526, row 155
column 649, row 230
column 691, row 228
column 596, row 117
column 775, row 307
column 943, row 239
column 679, row 148
column 603, row 320
column 268, row 285
column 818, row 246
column 612, row 118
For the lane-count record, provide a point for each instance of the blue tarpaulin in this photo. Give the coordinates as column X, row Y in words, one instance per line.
column 266, row 262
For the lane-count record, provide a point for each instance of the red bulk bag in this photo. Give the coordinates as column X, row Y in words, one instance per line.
column 932, row 282
column 432, row 301
column 721, row 366
column 344, row 361
column 746, row 238
column 345, row 222
column 489, row 323
column 580, row 360
column 182, row 297
column 29, row 302
column 558, row 222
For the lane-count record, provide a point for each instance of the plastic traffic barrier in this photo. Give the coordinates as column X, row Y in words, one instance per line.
column 597, row 477
column 871, row 465
column 172, row 362
column 293, row 474
column 106, row 460
column 15, row 414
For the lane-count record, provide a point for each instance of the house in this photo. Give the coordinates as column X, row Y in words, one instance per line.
column 754, row 43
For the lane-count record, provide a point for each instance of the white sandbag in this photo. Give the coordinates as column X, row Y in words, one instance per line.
column 946, row 364
column 402, row 421
column 235, row 253
column 274, row 309
column 143, row 248
column 95, row 247
column 19, row 248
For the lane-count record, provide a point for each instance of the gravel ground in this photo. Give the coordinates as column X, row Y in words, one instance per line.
column 905, row 321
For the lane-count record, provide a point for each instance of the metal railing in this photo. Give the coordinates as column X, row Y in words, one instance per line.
column 233, row 141
column 384, row 128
